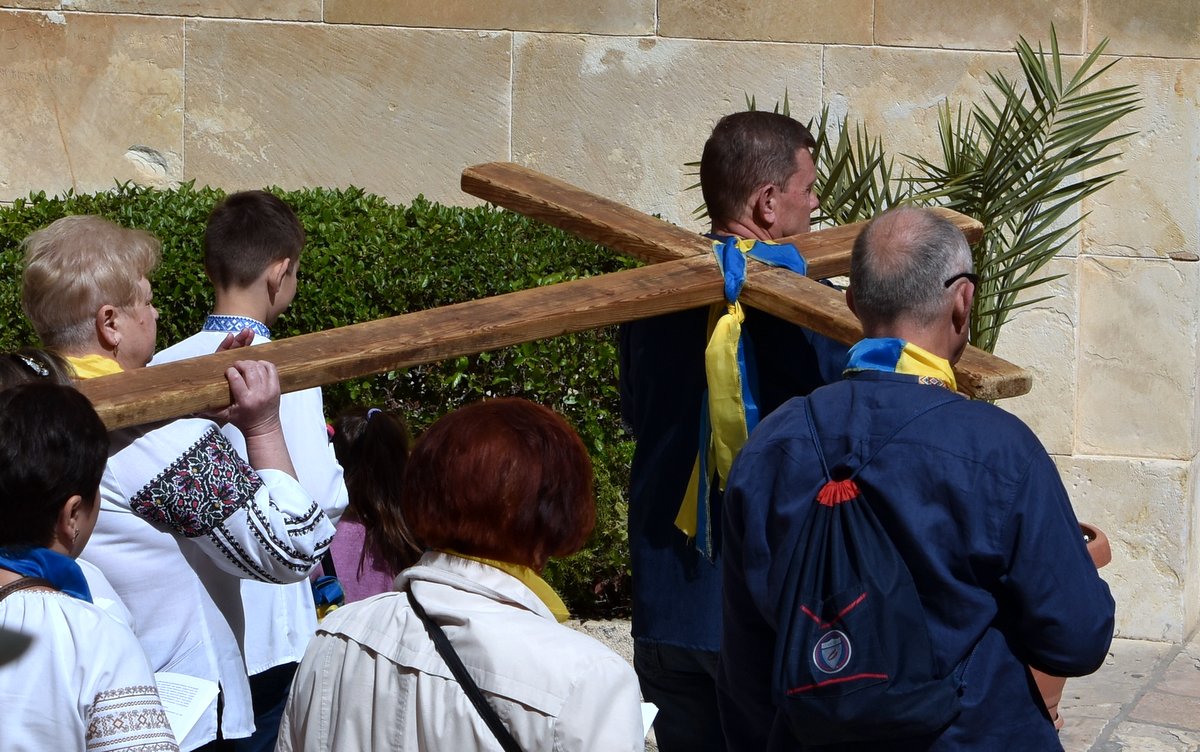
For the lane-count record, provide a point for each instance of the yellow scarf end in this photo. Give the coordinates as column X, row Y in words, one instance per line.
column 530, row 579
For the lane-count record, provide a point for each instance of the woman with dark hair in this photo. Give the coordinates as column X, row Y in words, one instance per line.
column 84, row 683
column 492, row 491
column 30, row 365
column 372, row 447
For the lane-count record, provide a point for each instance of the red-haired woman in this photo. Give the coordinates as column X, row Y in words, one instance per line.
column 492, row 491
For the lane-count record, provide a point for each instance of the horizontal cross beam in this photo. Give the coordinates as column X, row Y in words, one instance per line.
column 776, row 291
column 685, row 278
column 146, row 395
column 634, row 233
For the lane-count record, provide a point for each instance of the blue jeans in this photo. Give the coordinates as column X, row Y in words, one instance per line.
column 683, row 684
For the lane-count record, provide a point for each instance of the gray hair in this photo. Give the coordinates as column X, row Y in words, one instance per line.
column 74, row 266
column 900, row 265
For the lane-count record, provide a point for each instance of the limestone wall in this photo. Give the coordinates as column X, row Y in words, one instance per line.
column 397, row 96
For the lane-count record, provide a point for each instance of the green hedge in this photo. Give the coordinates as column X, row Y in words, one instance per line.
column 367, row 259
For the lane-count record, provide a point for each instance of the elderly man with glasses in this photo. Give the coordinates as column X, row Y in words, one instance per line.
column 966, row 495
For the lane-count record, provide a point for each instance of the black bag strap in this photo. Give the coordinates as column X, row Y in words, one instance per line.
column 446, row 650
column 24, row 584
column 816, row 439
column 327, row 563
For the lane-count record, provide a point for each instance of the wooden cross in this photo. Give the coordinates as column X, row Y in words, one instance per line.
column 683, row 275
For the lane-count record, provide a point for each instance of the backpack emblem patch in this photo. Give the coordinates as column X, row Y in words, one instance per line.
column 832, row 652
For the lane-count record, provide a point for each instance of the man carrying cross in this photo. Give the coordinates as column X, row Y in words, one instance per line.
column 757, row 175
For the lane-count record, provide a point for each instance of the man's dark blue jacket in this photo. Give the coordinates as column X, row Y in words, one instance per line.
column 977, row 510
column 676, row 590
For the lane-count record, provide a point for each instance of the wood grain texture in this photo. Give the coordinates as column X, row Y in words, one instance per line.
column 809, row 303
column 586, row 215
column 684, row 276
column 828, row 251
column 157, row 393
column 603, row 221
column 640, row 235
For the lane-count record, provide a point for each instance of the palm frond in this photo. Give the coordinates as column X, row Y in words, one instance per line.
column 1019, row 160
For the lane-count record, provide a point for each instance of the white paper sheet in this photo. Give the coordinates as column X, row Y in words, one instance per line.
column 185, row 698
column 649, row 711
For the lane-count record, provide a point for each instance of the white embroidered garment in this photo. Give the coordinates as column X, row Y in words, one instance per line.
column 183, row 519
column 372, row 679
column 103, row 595
column 280, row 619
column 83, row 684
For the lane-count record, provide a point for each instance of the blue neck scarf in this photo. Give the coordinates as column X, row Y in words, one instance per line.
column 60, row 571
column 219, row 322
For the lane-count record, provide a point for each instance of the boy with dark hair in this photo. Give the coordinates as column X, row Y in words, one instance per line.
column 247, row 233
column 252, row 247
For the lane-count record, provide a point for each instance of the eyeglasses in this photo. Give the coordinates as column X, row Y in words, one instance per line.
column 972, row 277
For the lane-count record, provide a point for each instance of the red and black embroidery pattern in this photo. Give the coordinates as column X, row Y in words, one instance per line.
column 200, row 490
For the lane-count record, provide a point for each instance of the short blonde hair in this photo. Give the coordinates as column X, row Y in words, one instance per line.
column 74, row 266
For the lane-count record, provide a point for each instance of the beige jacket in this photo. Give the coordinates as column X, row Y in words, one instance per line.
column 372, row 679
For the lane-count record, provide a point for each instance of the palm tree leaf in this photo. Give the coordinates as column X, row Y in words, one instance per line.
column 1020, row 160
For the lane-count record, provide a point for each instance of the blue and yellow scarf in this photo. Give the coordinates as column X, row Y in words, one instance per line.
column 729, row 411
column 59, row 570
column 894, row 355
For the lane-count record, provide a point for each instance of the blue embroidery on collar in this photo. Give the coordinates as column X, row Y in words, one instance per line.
column 222, row 323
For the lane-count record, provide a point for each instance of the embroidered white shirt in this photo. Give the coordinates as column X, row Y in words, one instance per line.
column 281, row 619
column 183, row 520
column 83, row 684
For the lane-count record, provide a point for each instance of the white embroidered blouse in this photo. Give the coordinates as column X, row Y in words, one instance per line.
column 279, row 619
column 183, row 520
column 83, row 684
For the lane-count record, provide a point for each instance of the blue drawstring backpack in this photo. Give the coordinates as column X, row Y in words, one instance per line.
column 853, row 659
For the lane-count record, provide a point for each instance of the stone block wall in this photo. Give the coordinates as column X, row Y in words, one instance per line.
column 397, row 96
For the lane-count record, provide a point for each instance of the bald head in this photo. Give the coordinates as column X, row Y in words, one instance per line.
column 900, row 265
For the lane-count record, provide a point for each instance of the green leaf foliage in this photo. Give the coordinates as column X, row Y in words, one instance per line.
column 367, row 259
column 1019, row 162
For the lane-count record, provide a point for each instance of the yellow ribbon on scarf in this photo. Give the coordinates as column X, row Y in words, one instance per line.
column 728, row 421
column 916, row 361
column 726, row 408
column 687, row 519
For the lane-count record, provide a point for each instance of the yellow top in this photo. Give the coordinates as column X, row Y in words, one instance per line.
column 91, row 366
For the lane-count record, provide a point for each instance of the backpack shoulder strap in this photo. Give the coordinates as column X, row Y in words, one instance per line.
column 24, row 584
column 327, row 565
